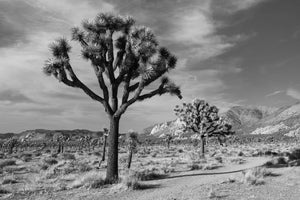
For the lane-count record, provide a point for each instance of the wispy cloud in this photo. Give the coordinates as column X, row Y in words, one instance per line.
column 14, row 96
column 274, row 93
column 293, row 93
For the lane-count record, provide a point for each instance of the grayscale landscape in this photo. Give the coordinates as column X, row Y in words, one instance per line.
column 149, row 100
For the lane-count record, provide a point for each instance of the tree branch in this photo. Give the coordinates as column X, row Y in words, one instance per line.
column 77, row 83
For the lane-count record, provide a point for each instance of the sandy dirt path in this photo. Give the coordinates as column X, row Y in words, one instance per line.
column 185, row 185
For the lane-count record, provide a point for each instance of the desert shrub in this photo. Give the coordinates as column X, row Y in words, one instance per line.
column 26, row 157
column 180, row 150
column 280, row 160
column 54, row 155
column 131, row 181
column 275, row 162
column 4, row 191
column 48, row 151
column 295, row 155
column 37, row 154
column 168, row 168
column 255, row 176
column 195, row 166
column 154, row 154
column 97, row 153
column 123, row 159
column 13, row 169
column 294, row 163
column 219, row 159
column 44, row 167
column 68, row 156
column 5, row 163
column 148, row 174
column 83, row 167
column 237, row 160
column 91, row 179
column 50, row 161
column 211, row 166
column 9, row 181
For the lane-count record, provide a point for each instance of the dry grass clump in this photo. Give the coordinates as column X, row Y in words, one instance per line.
column 237, row 161
column 13, row 169
column 44, row 166
column 68, row 156
column 295, row 155
column 219, row 159
column 180, row 150
column 50, row 161
column 5, row 163
column 26, row 157
column 84, row 167
column 4, row 191
column 148, row 174
column 97, row 153
column 255, row 176
column 9, row 181
column 131, row 181
column 195, row 166
column 92, row 179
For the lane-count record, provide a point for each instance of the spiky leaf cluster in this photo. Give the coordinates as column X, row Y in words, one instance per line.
column 122, row 52
column 201, row 118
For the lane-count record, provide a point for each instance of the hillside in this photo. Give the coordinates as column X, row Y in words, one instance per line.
column 43, row 134
column 252, row 120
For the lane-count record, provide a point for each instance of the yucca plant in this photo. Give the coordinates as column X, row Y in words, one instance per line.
column 203, row 120
column 121, row 55
column 132, row 142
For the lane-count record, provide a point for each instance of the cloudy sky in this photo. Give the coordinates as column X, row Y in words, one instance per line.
column 231, row 52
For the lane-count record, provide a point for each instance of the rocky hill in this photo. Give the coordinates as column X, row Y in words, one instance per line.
column 252, row 120
column 43, row 134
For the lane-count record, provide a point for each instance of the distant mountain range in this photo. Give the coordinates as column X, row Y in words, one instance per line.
column 251, row 120
column 42, row 134
column 244, row 119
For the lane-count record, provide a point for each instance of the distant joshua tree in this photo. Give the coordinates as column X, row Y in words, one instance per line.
column 168, row 139
column 132, row 142
column 105, row 135
column 122, row 55
column 203, row 120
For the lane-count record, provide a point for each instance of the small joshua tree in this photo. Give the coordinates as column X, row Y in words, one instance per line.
column 122, row 55
column 168, row 139
column 203, row 120
column 132, row 142
column 105, row 134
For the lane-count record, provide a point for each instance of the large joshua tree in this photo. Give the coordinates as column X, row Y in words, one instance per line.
column 125, row 58
column 203, row 120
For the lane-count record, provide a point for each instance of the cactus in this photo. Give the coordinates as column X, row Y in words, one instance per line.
column 203, row 120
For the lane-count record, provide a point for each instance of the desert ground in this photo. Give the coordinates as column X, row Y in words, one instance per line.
column 249, row 171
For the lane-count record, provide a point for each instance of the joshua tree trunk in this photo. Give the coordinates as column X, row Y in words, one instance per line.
column 202, row 146
column 129, row 159
column 59, row 150
column 112, row 160
column 10, row 150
